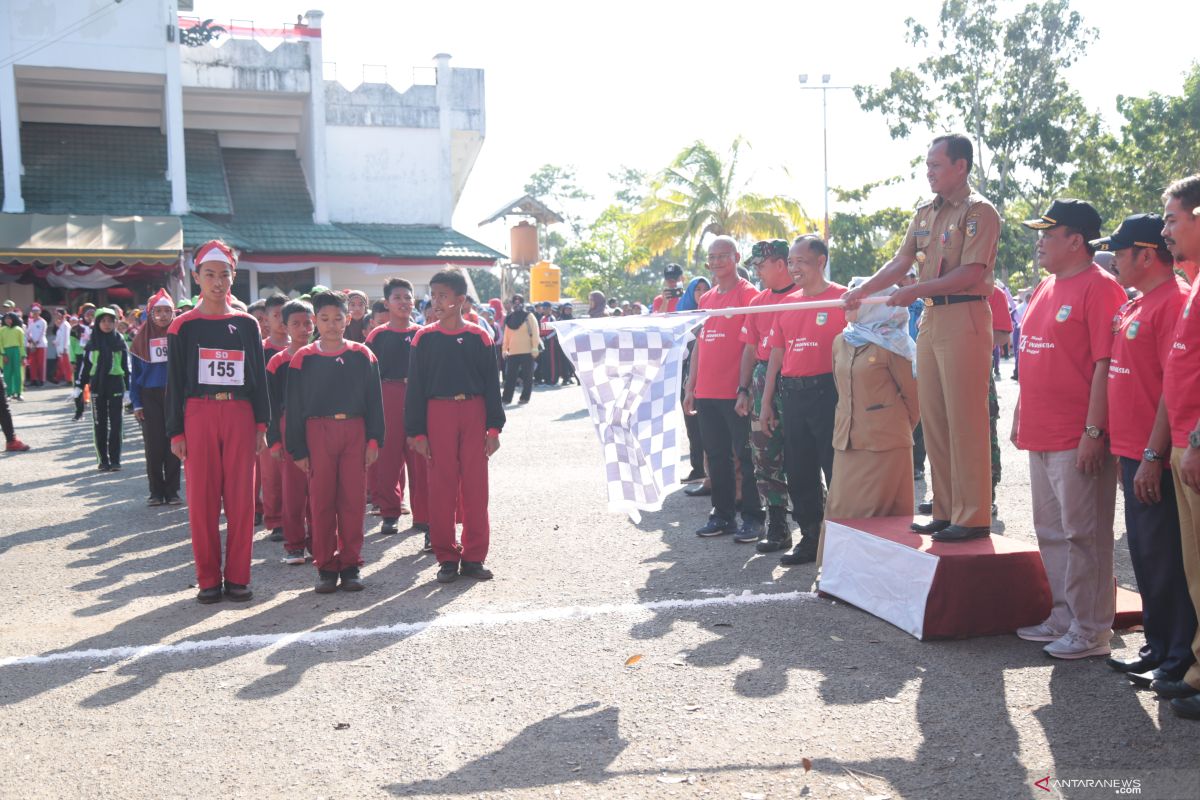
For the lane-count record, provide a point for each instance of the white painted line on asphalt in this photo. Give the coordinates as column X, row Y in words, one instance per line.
column 466, row 619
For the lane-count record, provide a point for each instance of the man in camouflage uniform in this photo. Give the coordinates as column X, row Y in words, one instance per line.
column 766, row 446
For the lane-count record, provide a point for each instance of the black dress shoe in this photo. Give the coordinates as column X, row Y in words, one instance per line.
column 961, row 533
column 1169, row 690
column 350, row 580
column 476, row 570
column 447, row 572
column 1142, row 680
column 1187, row 707
column 699, row 490
column 925, row 509
column 933, row 526
column 694, row 475
column 238, row 592
column 1138, row 664
column 389, row 526
column 210, row 595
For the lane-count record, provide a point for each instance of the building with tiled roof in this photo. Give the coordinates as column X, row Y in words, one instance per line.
column 111, row 174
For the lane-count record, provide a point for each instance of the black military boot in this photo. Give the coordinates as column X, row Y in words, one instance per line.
column 805, row 552
column 779, row 532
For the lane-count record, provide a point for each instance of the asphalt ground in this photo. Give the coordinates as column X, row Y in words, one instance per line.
column 115, row 683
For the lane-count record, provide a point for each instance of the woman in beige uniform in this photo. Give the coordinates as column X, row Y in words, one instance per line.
column 876, row 413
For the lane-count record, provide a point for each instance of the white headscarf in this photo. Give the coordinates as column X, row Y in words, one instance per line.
column 881, row 324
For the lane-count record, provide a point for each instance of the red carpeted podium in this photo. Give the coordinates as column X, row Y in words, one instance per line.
column 934, row 590
column 942, row 591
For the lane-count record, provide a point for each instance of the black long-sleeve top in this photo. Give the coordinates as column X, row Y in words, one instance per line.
column 392, row 347
column 98, row 356
column 213, row 354
column 446, row 363
column 270, row 350
column 321, row 384
column 277, row 374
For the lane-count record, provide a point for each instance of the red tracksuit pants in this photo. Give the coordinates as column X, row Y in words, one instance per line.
column 396, row 460
column 297, row 516
column 37, row 364
column 337, row 491
column 220, row 437
column 457, row 431
column 270, row 478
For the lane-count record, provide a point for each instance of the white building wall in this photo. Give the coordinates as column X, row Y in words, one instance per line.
column 382, row 174
column 87, row 34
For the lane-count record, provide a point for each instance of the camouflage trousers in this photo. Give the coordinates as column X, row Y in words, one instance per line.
column 993, row 418
column 766, row 448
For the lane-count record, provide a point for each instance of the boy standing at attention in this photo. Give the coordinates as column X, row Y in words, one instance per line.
column 335, row 428
column 297, row 317
column 453, row 416
column 269, row 492
column 217, row 415
column 392, row 344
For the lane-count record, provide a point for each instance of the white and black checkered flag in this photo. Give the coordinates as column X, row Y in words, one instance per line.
column 630, row 370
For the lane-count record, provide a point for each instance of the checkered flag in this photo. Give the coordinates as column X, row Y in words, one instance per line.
column 630, row 369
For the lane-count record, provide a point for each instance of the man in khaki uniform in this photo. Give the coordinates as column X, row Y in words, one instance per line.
column 952, row 240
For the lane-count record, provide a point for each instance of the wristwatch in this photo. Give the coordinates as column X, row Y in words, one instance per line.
column 1093, row 432
column 1194, row 439
column 1150, row 454
column 743, row 390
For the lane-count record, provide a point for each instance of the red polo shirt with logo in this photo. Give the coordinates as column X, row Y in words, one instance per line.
column 1067, row 328
column 1181, row 377
column 719, row 343
column 1142, row 339
column 806, row 337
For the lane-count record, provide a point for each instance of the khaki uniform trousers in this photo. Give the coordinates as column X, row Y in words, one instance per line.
column 954, row 361
column 1189, row 529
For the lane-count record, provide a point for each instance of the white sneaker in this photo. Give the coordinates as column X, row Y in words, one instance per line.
column 1075, row 645
column 1039, row 633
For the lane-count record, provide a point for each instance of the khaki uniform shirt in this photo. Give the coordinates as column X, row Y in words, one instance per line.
column 877, row 405
column 948, row 232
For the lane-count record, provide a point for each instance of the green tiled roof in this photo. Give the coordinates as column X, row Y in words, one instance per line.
column 266, row 184
column 94, row 169
column 301, row 236
column 198, row 230
column 206, row 190
column 420, row 241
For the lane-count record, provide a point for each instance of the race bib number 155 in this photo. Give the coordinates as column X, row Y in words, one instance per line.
column 222, row 367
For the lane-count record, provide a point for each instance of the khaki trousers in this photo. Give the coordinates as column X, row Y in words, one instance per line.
column 1073, row 518
column 1189, row 529
column 954, row 361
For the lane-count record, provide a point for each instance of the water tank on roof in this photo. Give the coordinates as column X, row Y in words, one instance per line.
column 545, row 283
column 524, row 239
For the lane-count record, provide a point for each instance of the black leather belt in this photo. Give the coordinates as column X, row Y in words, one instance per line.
column 395, row 380
column 458, row 398
column 338, row 416
column 951, row 299
column 788, row 383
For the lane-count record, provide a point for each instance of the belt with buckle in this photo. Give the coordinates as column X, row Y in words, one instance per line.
column 338, row 416
column 787, row 382
column 457, row 398
column 951, row 299
column 395, row 380
column 222, row 396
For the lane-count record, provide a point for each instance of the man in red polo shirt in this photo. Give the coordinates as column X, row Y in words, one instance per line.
column 1140, row 437
column 1181, row 395
column 711, row 392
column 1062, row 420
column 766, row 445
column 802, row 356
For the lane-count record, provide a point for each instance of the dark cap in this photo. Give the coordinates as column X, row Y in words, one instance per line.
column 1077, row 214
column 1139, row 230
column 673, row 271
column 774, row 248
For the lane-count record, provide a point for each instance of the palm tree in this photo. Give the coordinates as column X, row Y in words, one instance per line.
column 700, row 194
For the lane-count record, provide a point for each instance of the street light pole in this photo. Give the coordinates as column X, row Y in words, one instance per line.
column 824, row 88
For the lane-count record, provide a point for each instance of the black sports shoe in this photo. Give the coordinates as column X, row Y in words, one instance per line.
column 238, row 592
column 389, row 526
column 103, row 467
column 155, row 500
column 476, row 570
column 447, row 572
column 326, row 582
column 428, row 546
column 115, row 467
column 174, row 500
column 421, row 526
column 350, row 581
column 210, row 595
column 717, row 526
column 276, row 535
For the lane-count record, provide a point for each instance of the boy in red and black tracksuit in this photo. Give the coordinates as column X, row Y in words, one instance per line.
column 453, row 416
column 297, row 317
column 392, row 345
column 335, row 428
column 268, row 494
column 217, row 415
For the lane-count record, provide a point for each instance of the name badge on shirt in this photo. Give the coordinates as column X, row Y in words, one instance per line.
column 158, row 350
column 222, row 367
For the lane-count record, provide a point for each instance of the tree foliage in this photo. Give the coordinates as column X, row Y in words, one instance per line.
column 607, row 259
column 557, row 187
column 702, row 193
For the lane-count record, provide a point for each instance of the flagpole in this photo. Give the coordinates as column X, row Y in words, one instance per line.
column 807, row 305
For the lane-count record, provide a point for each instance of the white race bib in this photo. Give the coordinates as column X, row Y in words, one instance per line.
column 222, row 367
column 158, row 350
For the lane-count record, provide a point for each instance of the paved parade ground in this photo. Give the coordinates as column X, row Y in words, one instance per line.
column 115, row 683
